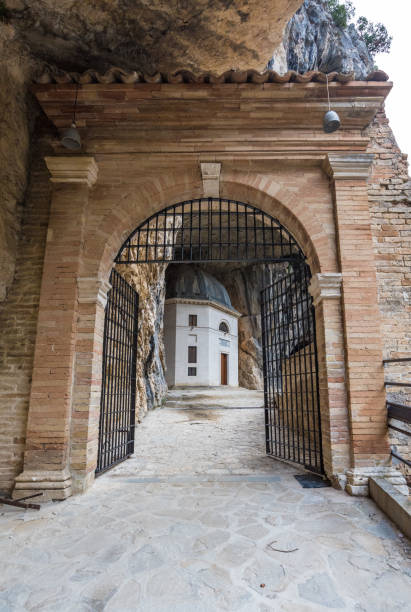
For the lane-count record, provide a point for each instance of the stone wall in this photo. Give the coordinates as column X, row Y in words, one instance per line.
column 14, row 149
column 18, row 318
column 390, row 204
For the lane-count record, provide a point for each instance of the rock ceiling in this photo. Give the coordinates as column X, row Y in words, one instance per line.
column 152, row 35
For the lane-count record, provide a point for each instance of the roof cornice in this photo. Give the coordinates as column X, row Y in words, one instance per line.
column 231, row 311
column 120, row 75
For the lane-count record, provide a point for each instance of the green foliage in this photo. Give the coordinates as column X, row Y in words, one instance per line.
column 342, row 12
column 375, row 36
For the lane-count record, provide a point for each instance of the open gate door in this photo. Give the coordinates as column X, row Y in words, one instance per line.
column 118, row 388
column 291, row 393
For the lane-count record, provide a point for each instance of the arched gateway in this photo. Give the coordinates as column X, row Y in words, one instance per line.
column 221, row 230
column 253, row 138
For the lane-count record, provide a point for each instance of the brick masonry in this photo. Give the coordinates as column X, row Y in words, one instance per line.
column 18, row 319
column 126, row 194
column 390, row 205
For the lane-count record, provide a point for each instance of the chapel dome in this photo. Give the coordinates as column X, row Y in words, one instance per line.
column 190, row 281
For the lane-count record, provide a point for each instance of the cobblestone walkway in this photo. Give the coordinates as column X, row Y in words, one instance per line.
column 201, row 521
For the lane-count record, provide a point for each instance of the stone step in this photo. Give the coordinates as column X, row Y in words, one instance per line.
column 213, row 398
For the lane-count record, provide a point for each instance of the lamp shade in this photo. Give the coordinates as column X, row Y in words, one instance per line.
column 331, row 122
column 71, row 138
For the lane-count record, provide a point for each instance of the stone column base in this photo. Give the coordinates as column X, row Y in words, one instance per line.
column 54, row 485
column 357, row 479
column 82, row 481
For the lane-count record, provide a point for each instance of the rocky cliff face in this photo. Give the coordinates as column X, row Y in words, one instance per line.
column 148, row 281
column 312, row 41
column 152, row 35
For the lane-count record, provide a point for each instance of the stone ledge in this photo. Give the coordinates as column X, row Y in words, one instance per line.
column 55, row 485
column 348, row 165
column 395, row 505
column 326, row 285
column 358, row 479
column 72, row 169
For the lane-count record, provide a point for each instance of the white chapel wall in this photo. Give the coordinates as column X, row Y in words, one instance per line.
column 210, row 342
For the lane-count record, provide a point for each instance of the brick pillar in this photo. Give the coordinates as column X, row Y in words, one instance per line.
column 92, row 299
column 325, row 289
column 361, row 316
column 46, row 459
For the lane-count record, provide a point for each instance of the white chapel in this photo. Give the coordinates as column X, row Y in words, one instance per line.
column 200, row 329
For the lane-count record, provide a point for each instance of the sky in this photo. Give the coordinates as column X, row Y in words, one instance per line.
column 396, row 16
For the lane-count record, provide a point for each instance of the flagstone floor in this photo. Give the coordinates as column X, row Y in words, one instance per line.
column 199, row 520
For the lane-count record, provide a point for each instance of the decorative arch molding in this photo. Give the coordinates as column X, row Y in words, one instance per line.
column 135, row 206
column 209, row 229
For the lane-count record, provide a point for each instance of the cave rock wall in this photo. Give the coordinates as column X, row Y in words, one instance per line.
column 149, row 282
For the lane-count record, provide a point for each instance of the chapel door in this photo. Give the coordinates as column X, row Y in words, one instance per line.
column 224, row 369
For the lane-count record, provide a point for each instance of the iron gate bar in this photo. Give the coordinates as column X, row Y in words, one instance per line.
column 118, row 394
column 201, row 230
column 290, row 367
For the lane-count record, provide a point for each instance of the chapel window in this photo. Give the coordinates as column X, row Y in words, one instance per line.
column 192, row 354
column 223, row 327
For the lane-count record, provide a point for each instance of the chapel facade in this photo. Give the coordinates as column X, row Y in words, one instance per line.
column 200, row 330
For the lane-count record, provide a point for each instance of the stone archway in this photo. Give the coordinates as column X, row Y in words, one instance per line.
column 222, row 230
column 72, row 467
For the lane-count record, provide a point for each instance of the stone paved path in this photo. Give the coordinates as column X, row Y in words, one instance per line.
column 201, row 521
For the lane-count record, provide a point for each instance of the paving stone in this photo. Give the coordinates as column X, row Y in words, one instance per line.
column 266, row 576
column 236, row 553
column 320, row 589
column 144, row 559
column 183, row 528
column 126, row 598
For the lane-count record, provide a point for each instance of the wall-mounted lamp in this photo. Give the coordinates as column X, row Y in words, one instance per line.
column 71, row 137
column 331, row 121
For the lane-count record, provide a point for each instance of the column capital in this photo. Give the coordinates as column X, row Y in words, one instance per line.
column 93, row 291
column 326, row 285
column 210, row 173
column 71, row 169
column 348, row 165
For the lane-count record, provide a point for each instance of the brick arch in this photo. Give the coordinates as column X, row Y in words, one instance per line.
column 150, row 197
column 281, row 202
column 107, row 233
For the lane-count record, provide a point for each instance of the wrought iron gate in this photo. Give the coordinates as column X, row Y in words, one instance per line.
column 118, row 392
column 221, row 230
column 291, row 391
column 206, row 230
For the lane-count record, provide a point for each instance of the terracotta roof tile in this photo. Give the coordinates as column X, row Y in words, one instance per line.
column 119, row 75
